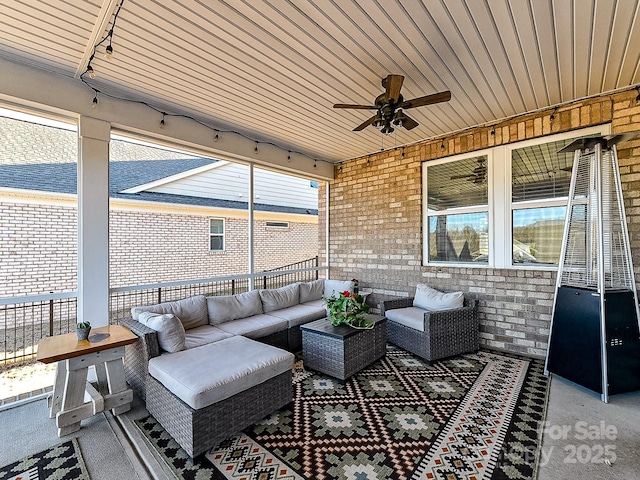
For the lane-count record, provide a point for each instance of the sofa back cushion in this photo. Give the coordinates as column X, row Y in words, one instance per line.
column 333, row 288
column 431, row 299
column 171, row 336
column 310, row 291
column 279, row 298
column 191, row 311
column 225, row 308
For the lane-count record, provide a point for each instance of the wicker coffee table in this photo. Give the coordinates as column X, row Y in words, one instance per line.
column 342, row 351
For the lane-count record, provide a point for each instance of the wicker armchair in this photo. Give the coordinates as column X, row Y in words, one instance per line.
column 446, row 332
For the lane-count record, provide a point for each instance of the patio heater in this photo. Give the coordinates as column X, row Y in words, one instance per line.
column 594, row 338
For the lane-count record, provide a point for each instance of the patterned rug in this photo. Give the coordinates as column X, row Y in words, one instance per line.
column 62, row 462
column 474, row 417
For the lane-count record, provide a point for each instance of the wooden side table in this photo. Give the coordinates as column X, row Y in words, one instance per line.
column 105, row 350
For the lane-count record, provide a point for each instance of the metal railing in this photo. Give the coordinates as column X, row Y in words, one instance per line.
column 24, row 321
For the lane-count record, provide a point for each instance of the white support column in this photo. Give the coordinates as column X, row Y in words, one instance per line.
column 250, row 229
column 93, row 221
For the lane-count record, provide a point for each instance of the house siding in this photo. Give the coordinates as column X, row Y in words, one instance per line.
column 375, row 222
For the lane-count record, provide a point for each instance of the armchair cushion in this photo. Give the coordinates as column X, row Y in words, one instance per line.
column 411, row 317
column 431, row 299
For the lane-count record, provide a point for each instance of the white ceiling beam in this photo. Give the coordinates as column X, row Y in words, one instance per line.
column 24, row 85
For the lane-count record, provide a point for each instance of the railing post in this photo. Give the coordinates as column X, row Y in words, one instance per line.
column 233, row 286
column 264, row 281
column 51, row 317
column 317, row 264
column 159, row 294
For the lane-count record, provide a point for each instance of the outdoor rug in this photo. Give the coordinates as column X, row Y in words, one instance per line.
column 475, row 416
column 62, row 462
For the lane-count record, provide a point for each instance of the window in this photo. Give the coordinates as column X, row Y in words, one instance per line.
column 501, row 207
column 271, row 224
column 457, row 210
column 216, row 233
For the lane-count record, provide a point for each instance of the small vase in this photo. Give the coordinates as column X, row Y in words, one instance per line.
column 83, row 333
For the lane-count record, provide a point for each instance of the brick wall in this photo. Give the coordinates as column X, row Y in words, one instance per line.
column 38, row 247
column 375, row 222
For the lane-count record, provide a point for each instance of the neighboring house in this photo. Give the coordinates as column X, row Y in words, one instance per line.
column 170, row 219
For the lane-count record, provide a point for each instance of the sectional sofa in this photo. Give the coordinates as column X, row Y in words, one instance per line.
column 207, row 367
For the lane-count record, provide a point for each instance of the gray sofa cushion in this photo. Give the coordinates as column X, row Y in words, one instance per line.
column 231, row 307
column 171, row 336
column 431, row 299
column 300, row 314
column 412, row 317
column 310, row 291
column 279, row 298
column 210, row 373
column 191, row 311
column 257, row 326
column 333, row 288
column 203, row 335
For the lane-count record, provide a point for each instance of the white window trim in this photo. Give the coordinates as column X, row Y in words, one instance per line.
column 500, row 206
column 223, row 235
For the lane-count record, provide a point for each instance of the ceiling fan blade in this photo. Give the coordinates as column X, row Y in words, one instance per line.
column 426, row 100
column 365, row 124
column 359, row 107
column 393, row 84
column 409, row 122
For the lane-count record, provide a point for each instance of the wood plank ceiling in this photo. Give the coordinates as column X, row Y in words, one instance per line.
column 273, row 69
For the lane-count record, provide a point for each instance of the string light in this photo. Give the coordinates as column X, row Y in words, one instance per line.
column 552, row 117
column 89, row 71
column 442, row 145
column 402, row 152
column 638, row 96
column 493, row 131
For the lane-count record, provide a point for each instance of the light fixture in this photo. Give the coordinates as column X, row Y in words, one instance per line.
column 638, row 96
column 217, row 136
column 90, row 71
column 256, row 149
column 289, row 155
column 378, row 122
column 399, row 118
column 94, row 103
column 442, row 145
column 493, row 131
column 552, row 117
column 315, row 163
column 162, row 121
column 108, row 51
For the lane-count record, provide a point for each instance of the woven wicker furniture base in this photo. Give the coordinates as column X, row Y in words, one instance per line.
column 199, row 430
column 327, row 350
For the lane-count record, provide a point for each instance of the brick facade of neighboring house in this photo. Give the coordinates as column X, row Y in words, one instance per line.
column 376, row 222
column 154, row 236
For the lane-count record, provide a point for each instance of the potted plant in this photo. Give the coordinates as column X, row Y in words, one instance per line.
column 348, row 308
column 82, row 330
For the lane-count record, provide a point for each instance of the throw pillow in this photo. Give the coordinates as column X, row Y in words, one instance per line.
column 311, row 291
column 169, row 328
column 431, row 299
column 333, row 288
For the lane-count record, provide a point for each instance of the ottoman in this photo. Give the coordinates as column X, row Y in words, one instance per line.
column 206, row 394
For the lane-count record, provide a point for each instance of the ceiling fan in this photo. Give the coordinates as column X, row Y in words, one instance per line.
column 390, row 106
column 479, row 174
